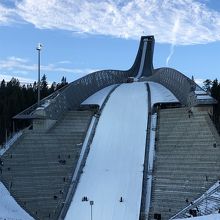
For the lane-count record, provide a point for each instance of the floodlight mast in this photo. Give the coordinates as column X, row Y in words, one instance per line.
column 39, row 47
column 91, row 204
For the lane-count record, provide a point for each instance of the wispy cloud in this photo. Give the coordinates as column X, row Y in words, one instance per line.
column 174, row 38
column 125, row 19
column 64, row 62
column 12, row 63
column 6, row 15
column 22, row 65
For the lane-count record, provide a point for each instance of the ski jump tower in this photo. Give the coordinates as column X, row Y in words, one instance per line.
column 76, row 92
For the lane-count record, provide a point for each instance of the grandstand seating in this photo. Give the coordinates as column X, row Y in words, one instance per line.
column 187, row 160
column 38, row 168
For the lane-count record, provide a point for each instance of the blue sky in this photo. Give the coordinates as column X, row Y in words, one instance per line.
column 81, row 36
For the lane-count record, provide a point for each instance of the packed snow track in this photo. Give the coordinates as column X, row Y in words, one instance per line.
column 114, row 167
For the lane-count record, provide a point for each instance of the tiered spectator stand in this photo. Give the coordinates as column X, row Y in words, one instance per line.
column 187, row 160
column 37, row 169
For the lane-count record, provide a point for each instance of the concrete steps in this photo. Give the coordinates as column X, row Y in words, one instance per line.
column 37, row 169
column 186, row 162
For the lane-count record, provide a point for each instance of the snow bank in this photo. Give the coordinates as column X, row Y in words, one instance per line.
column 98, row 97
column 204, row 97
column 9, row 208
column 160, row 94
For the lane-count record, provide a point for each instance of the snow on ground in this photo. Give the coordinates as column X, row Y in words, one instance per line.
column 204, row 97
column 206, row 217
column 98, row 97
column 114, row 167
column 160, row 94
column 200, row 92
column 9, row 208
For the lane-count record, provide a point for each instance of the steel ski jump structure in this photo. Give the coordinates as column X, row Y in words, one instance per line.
column 125, row 136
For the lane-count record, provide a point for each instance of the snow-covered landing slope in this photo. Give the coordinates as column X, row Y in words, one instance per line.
column 114, row 167
column 9, row 209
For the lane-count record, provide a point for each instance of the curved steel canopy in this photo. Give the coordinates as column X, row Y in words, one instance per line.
column 76, row 92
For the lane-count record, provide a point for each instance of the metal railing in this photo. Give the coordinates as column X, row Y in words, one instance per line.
column 28, row 113
column 215, row 188
column 10, row 142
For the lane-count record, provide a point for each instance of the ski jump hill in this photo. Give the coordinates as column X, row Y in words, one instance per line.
column 116, row 145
